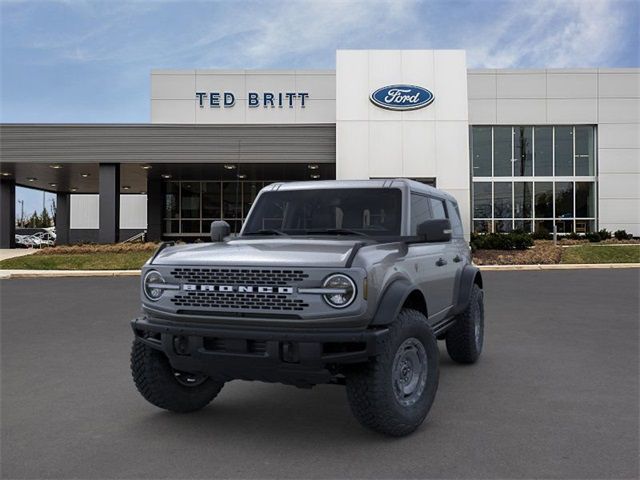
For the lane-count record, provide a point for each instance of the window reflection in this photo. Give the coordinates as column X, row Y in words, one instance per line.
column 584, row 151
column 522, row 192
column 503, row 226
column 191, row 206
column 564, row 150
column 502, row 207
column 482, row 200
column 523, row 152
column 502, row 156
column 211, row 200
column 585, row 199
column 544, row 199
column 564, row 199
column 543, row 151
column 481, row 148
column 172, row 200
column 558, row 152
column 482, row 226
column 190, row 200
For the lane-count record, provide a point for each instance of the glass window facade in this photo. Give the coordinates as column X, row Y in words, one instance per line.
column 534, row 177
column 191, row 206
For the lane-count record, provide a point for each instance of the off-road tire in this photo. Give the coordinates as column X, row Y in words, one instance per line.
column 462, row 345
column 156, row 382
column 370, row 387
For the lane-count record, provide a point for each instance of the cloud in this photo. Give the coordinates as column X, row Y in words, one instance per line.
column 305, row 34
column 548, row 33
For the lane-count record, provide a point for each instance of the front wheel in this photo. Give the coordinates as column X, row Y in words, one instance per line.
column 167, row 388
column 394, row 392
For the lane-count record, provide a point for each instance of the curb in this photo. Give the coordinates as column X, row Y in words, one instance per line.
column 558, row 266
column 8, row 274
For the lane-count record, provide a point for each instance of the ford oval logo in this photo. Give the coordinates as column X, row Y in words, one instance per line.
column 402, row 97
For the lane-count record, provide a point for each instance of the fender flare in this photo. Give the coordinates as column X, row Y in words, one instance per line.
column 391, row 301
column 470, row 275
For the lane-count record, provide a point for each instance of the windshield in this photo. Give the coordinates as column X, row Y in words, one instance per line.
column 339, row 211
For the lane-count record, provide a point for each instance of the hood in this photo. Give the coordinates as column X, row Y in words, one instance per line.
column 325, row 252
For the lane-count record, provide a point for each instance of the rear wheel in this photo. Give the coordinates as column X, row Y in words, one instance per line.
column 167, row 388
column 394, row 392
column 465, row 338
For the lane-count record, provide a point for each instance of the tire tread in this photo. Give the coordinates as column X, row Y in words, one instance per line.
column 460, row 338
column 368, row 388
column 152, row 375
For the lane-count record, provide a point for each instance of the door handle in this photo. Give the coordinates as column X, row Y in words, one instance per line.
column 457, row 259
column 441, row 262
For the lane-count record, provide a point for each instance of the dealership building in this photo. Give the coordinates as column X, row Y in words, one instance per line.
column 519, row 149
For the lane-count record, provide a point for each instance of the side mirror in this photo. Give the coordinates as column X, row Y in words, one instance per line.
column 219, row 230
column 435, row 230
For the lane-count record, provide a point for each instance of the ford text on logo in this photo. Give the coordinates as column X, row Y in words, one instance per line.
column 402, row 97
column 237, row 289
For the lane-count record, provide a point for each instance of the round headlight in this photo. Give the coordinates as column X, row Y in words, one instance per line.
column 343, row 290
column 150, row 285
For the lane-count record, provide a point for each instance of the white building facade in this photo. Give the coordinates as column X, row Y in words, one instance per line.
column 519, row 149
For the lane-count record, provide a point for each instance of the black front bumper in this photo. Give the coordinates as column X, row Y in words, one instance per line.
column 272, row 355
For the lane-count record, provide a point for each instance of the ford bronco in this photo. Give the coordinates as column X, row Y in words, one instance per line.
column 343, row 282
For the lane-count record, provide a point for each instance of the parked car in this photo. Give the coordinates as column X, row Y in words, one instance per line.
column 39, row 239
column 342, row 282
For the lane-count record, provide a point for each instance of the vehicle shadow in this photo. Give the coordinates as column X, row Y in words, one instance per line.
column 276, row 411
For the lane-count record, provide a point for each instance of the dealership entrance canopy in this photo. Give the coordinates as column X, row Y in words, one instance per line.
column 519, row 149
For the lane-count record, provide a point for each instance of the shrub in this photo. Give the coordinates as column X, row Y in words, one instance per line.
column 593, row 237
column 516, row 240
column 622, row 235
column 574, row 236
column 604, row 234
column 521, row 240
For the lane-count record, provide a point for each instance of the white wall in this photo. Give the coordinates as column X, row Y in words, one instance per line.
column 85, row 212
column 607, row 98
column 429, row 142
column 173, row 96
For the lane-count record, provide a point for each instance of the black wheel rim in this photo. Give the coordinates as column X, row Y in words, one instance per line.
column 189, row 379
column 409, row 372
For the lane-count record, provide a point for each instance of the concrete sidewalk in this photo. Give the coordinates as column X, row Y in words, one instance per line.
column 7, row 253
column 6, row 274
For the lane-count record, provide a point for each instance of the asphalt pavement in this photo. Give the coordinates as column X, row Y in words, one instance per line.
column 555, row 395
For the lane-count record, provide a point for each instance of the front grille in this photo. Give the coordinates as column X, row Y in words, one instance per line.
column 236, row 276
column 234, row 300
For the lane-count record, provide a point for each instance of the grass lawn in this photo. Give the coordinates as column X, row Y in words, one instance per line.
column 79, row 261
column 601, row 254
column 133, row 256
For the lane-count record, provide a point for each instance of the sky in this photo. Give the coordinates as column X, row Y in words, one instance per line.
column 89, row 61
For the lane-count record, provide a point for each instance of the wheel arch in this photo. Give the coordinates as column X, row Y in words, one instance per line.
column 469, row 277
column 398, row 295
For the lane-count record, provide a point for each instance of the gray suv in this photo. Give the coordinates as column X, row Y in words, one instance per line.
column 343, row 282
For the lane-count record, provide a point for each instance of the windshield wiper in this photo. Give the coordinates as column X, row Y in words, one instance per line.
column 336, row 231
column 266, row 231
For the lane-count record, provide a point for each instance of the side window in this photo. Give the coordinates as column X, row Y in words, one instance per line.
column 420, row 211
column 438, row 209
column 456, row 223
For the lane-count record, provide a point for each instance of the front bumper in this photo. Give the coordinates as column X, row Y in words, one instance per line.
column 273, row 355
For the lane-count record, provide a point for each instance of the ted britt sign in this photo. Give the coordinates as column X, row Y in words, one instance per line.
column 254, row 99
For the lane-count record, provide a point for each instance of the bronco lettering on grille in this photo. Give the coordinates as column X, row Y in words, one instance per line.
column 237, row 288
